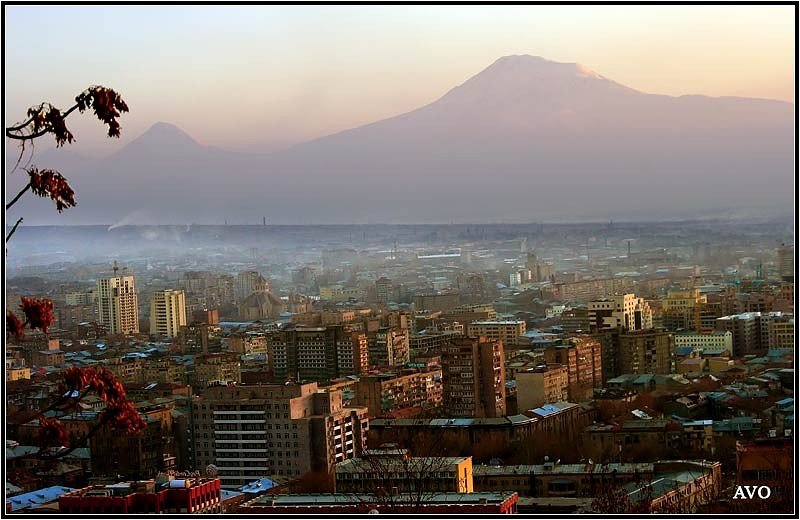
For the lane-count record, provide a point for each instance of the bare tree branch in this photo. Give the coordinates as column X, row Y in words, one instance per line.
column 13, row 229
column 20, row 194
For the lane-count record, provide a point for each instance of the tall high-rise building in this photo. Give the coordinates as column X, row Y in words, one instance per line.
column 474, row 377
column 252, row 431
column 384, row 290
column 167, row 312
column 785, row 262
column 247, row 283
column 625, row 311
column 117, row 306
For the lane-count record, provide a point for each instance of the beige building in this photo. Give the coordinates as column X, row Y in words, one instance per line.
column 681, row 309
column 254, row 431
column 624, row 311
column 167, row 312
column 719, row 339
column 717, row 365
column 339, row 293
column 392, row 470
column 211, row 368
column 247, row 343
column 583, row 358
column 81, row 298
column 162, row 371
column 507, row 331
column 781, row 332
column 16, row 369
column 117, row 305
column 540, row 385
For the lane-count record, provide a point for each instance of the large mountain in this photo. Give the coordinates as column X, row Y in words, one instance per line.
column 526, row 139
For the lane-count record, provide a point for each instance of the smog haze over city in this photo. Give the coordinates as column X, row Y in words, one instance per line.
column 330, row 259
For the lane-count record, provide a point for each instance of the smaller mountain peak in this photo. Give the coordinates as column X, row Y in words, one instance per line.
column 164, row 128
column 167, row 133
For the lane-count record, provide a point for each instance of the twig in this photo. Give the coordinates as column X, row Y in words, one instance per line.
column 8, row 237
column 20, row 194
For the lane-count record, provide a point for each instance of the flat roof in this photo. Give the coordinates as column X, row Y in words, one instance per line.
column 324, row 499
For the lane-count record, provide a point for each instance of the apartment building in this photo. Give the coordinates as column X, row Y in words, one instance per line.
column 583, row 358
column 167, row 313
column 318, row 353
column 410, row 388
column 540, row 385
column 473, row 375
column 117, row 305
column 252, row 431
column 507, row 331
column 625, row 311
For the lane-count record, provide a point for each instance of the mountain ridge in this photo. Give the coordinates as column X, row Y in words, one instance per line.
column 524, row 138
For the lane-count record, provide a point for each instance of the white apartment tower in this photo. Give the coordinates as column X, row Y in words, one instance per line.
column 117, row 305
column 167, row 312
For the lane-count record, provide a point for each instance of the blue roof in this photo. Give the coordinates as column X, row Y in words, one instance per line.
column 784, row 402
column 258, row 486
column 226, row 494
column 684, row 351
column 778, row 352
column 37, row 498
column 546, row 409
column 734, row 425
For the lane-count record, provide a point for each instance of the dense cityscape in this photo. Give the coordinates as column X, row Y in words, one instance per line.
column 331, row 260
column 599, row 367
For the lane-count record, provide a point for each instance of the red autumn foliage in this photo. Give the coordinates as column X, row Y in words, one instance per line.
column 119, row 413
column 46, row 118
column 52, row 432
column 38, row 313
column 14, row 326
column 50, row 183
column 107, row 104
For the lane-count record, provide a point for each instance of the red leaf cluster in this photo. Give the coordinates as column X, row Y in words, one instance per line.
column 50, row 183
column 38, row 313
column 52, row 432
column 14, row 326
column 48, row 118
column 119, row 413
column 107, row 105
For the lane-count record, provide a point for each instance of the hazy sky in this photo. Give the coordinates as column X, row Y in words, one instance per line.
column 261, row 77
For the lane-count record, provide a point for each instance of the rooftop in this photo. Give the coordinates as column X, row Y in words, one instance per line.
column 34, row 499
column 327, row 499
